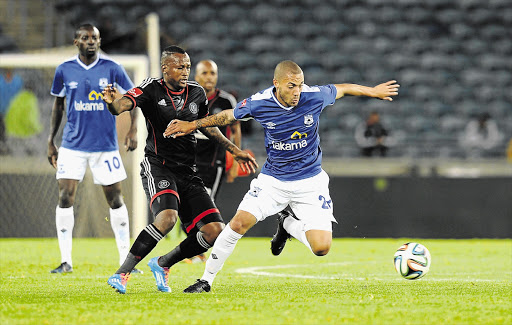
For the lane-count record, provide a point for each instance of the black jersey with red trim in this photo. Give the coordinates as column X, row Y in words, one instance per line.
column 160, row 105
column 210, row 152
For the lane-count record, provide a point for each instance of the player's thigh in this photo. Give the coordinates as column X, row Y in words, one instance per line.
column 107, row 167
column 160, row 186
column 313, row 205
column 197, row 208
column 264, row 198
column 71, row 164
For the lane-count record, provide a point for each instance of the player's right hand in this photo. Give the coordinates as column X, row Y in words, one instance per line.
column 177, row 128
column 53, row 154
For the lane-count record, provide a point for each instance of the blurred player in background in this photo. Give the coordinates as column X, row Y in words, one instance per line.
column 168, row 168
column 372, row 137
column 210, row 155
column 89, row 138
column 292, row 175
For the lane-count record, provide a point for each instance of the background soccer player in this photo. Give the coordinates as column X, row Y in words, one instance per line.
column 89, row 138
column 168, row 175
column 292, row 174
column 210, row 155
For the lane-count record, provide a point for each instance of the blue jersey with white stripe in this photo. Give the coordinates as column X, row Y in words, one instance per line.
column 291, row 133
column 90, row 127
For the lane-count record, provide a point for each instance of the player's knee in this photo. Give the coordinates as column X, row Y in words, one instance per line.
column 66, row 200
column 116, row 202
column 241, row 223
column 321, row 249
column 166, row 220
column 211, row 231
column 321, row 252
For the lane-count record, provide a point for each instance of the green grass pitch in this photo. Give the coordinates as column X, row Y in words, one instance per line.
column 469, row 283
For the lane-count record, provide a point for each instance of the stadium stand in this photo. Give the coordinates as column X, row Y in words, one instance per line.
column 452, row 58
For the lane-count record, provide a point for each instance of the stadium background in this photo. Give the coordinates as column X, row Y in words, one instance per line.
column 452, row 59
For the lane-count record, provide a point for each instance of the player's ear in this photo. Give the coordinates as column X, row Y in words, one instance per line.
column 275, row 82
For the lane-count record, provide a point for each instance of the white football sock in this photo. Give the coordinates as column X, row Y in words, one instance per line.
column 121, row 227
column 65, row 221
column 222, row 249
column 296, row 228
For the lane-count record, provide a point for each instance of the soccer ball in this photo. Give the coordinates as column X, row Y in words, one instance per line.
column 412, row 261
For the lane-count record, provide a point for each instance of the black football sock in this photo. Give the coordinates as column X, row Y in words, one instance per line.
column 145, row 242
column 190, row 247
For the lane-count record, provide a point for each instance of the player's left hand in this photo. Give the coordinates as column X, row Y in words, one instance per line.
column 109, row 94
column 385, row 90
column 177, row 128
column 247, row 162
column 130, row 142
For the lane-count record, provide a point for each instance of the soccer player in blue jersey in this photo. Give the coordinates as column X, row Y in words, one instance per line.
column 89, row 138
column 292, row 175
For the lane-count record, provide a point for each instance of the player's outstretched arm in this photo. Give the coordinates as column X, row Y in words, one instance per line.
column 383, row 91
column 116, row 103
column 179, row 128
column 247, row 162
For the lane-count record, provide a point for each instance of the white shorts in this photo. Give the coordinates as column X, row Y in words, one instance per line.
column 309, row 199
column 106, row 167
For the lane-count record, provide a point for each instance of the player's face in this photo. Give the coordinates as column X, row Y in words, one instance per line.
column 88, row 42
column 176, row 70
column 288, row 89
column 206, row 76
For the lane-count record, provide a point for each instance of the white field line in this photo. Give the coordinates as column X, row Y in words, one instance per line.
column 263, row 271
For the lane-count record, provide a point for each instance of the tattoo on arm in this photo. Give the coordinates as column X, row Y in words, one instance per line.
column 225, row 117
column 215, row 134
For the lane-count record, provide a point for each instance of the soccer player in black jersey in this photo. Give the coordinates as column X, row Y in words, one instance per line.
column 210, row 155
column 168, row 168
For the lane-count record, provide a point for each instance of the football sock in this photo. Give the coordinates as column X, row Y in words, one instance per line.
column 65, row 221
column 222, row 249
column 192, row 245
column 121, row 227
column 296, row 228
column 145, row 242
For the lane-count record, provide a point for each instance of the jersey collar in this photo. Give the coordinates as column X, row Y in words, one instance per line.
column 90, row 66
column 279, row 103
column 171, row 91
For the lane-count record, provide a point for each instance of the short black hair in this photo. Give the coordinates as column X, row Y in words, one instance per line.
column 83, row 26
column 173, row 49
column 169, row 50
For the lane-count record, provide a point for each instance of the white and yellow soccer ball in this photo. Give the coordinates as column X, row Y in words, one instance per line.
column 412, row 261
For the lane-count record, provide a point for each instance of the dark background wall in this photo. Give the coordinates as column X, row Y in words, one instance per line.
column 408, row 206
column 432, row 207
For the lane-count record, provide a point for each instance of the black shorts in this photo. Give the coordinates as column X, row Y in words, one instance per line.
column 168, row 189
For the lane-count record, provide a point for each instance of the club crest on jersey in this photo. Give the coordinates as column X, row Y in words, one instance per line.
column 163, row 183
column 135, row 92
column 193, row 108
column 103, row 82
column 308, row 120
